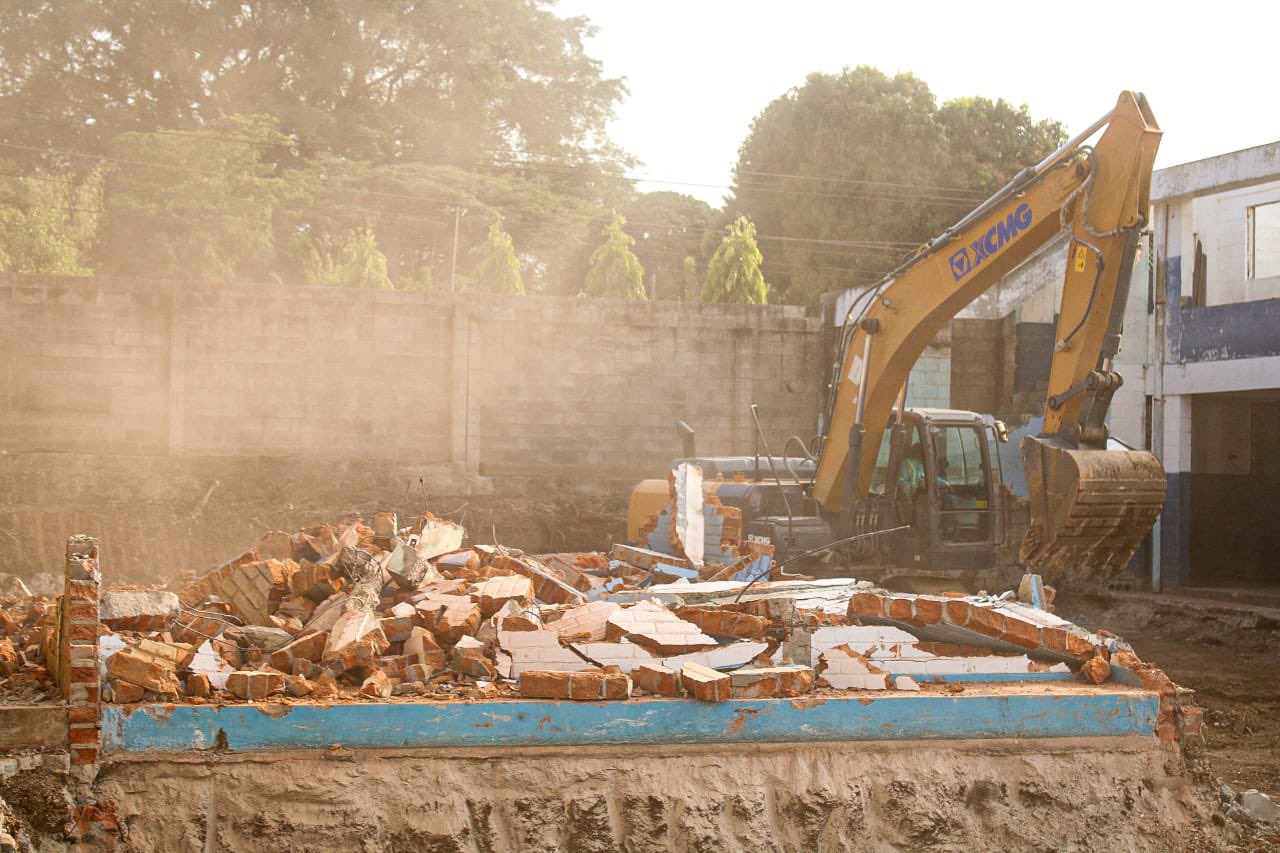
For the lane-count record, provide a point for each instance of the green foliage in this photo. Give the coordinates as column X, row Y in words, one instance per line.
column 691, row 283
column 47, row 221
column 990, row 141
column 205, row 202
column 615, row 270
column 672, row 226
column 734, row 272
column 360, row 265
column 499, row 269
column 858, row 167
column 461, row 83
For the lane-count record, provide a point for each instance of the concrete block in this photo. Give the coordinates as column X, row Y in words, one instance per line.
column 538, row 651
column 653, row 626
column 625, row 655
column 588, row 622
column 137, row 609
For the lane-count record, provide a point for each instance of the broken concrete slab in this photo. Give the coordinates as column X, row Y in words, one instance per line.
column 538, row 651
column 623, row 654
column 650, row 624
column 138, row 609
column 588, row 622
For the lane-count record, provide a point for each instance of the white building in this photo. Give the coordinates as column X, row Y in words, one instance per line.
column 1209, row 362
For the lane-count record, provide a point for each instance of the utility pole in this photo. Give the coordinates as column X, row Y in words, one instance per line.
column 458, row 213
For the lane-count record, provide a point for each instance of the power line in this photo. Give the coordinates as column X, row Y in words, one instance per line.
column 510, row 157
column 441, row 203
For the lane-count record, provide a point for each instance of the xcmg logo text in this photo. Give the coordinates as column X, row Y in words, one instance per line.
column 967, row 259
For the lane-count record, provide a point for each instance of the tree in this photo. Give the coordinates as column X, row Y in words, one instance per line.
column 499, row 269
column 672, row 225
column 734, row 272
column 47, row 222
column 205, row 201
column 990, row 141
column 485, row 81
column 615, row 270
column 361, row 264
column 854, row 170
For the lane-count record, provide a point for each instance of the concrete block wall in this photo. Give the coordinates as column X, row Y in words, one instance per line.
column 484, row 385
column 977, row 356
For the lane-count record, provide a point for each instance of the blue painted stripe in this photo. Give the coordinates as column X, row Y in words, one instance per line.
column 644, row 721
column 991, row 677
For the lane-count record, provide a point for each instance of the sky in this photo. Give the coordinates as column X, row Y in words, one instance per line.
column 700, row 70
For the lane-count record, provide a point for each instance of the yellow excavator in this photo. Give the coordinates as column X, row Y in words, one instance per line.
column 932, row 476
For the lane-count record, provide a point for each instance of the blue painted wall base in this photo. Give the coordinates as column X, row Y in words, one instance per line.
column 863, row 716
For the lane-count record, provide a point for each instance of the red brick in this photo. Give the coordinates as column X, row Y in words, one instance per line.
column 198, row 685
column 928, row 612
column 658, row 679
column 87, row 736
column 581, row 686
column 1021, row 633
column 958, row 613
column 725, row 623
column 1078, row 646
column 1095, row 670
column 900, row 609
column 83, row 633
column 1191, row 721
column 124, row 692
column 536, row 684
column 706, row 684
column 83, row 612
column 987, row 621
column 82, row 714
column 595, row 686
column 1054, row 639
column 377, row 685
column 82, row 755
column 866, row 604
column 82, row 591
column 308, row 647
column 84, row 674
column 125, row 666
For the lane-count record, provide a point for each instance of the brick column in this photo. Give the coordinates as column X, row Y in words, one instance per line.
column 78, row 649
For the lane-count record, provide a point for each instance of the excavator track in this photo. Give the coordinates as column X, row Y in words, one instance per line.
column 1090, row 509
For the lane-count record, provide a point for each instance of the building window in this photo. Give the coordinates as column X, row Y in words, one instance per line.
column 1264, row 240
column 1200, row 277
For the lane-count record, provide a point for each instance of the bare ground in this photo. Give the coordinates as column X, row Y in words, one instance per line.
column 1229, row 656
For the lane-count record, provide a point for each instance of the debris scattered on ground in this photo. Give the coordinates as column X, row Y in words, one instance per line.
column 386, row 611
column 27, row 621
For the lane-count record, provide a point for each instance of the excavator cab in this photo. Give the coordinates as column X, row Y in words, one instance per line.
column 938, row 474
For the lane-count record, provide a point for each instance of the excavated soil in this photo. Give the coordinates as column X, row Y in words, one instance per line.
column 1070, row 794
column 1229, row 656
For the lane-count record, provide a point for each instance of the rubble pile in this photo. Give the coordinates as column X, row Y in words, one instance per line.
column 26, row 623
column 379, row 611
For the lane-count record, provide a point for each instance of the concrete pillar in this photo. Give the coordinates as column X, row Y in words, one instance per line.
column 464, row 436
column 1175, row 522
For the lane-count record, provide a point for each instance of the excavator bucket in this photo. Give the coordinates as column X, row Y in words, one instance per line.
column 1090, row 509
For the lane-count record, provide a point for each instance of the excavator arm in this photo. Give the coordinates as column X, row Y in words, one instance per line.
column 1089, row 506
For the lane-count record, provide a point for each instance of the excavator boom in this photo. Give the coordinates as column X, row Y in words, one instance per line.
column 1090, row 506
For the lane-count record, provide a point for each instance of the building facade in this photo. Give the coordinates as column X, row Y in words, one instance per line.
column 1210, row 401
